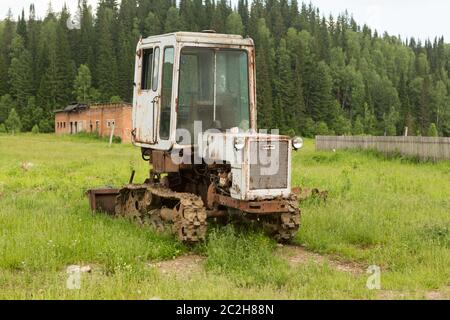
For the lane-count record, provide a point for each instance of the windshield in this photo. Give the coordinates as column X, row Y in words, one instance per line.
column 213, row 89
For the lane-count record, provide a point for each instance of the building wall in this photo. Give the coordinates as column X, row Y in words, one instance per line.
column 100, row 118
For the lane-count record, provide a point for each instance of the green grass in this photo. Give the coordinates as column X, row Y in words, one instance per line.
column 394, row 213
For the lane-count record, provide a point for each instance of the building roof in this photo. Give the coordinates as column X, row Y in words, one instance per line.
column 75, row 107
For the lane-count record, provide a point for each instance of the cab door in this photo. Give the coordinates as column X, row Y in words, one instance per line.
column 146, row 95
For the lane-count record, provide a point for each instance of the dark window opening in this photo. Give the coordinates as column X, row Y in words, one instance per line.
column 147, row 62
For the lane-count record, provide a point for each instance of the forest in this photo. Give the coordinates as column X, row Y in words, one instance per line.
column 316, row 74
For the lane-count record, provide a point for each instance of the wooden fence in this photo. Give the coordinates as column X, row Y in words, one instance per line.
column 422, row 147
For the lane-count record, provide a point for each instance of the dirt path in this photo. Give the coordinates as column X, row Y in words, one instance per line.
column 442, row 294
column 183, row 266
column 297, row 255
column 187, row 265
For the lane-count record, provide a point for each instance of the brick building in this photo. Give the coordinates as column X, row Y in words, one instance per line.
column 101, row 118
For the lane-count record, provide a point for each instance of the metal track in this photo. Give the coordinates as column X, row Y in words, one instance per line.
column 159, row 206
column 283, row 226
column 185, row 215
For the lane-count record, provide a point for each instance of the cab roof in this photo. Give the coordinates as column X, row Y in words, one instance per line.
column 203, row 37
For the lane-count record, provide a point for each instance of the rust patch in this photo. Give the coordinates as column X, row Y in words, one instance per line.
column 210, row 196
column 103, row 199
column 162, row 162
column 256, row 207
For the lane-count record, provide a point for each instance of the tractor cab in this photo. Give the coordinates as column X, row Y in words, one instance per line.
column 188, row 82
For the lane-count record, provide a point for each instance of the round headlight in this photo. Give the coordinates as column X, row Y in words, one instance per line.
column 239, row 143
column 297, row 143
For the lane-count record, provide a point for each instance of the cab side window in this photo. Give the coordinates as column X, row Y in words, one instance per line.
column 155, row 70
column 166, row 92
column 147, row 69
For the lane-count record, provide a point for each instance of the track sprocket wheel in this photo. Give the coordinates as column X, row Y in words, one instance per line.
column 132, row 203
column 154, row 219
column 283, row 226
column 190, row 219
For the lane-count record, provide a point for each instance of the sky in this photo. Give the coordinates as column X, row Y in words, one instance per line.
column 407, row 18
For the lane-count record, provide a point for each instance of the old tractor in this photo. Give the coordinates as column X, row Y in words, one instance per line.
column 194, row 118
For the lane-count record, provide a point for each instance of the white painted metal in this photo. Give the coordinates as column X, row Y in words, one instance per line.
column 147, row 103
column 220, row 147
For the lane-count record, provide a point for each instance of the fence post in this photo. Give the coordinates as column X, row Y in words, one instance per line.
column 112, row 134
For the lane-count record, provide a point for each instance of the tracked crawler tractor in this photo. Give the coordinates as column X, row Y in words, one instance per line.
column 194, row 118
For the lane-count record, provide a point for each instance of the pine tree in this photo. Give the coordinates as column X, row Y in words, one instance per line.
column 439, row 97
column 87, row 36
column 369, row 120
column 285, row 108
column 13, row 124
column 106, row 71
column 234, row 24
column 173, row 21
column 48, row 65
column 35, row 129
column 318, row 92
column 264, row 58
column 299, row 118
column 220, row 14
column 191, row 15
column 152, row 25
column 83, row 84
column 358, row 126
column 33, row 28
column 7, row 36
column 256, row 13
column 20, row 82
column 6, row 104
column 128, row 37
column 390, row 121
column 65, row 65
column 423, row 110
column 432, row 131
column 28, row 117
column 276, row 21
column 294, row 18
column 22, row 28
column 244, row 14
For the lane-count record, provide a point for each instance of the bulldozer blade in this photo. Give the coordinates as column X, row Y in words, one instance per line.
column 103, row 199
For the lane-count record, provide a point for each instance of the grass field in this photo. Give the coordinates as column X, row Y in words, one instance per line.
column 393, row 213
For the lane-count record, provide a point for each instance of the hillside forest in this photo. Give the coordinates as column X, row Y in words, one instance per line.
column 316, row 74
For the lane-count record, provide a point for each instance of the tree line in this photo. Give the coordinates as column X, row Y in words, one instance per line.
column 315, row 74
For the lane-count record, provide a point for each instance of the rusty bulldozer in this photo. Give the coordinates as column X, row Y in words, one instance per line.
column 194, row 118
